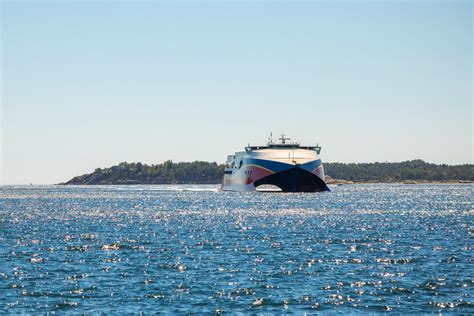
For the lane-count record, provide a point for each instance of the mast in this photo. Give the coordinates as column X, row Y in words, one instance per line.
column 270, row 140
column 283, row 139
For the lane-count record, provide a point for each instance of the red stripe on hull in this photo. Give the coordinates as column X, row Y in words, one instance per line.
column 319, row 171
column 257, row 173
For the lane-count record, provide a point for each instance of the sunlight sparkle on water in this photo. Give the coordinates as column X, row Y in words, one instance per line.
column 189, row 249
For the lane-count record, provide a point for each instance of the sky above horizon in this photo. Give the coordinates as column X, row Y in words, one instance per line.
column 92, row 84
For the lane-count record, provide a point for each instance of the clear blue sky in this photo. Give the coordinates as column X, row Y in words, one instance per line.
column 91, row 84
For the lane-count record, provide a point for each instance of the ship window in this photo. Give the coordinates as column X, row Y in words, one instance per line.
column 240, row 164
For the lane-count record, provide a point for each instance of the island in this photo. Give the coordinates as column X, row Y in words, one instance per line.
column 202, row 172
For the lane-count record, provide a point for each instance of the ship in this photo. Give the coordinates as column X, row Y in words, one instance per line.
column 281, row 164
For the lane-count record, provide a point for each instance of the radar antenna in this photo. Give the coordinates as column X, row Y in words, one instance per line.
column 283, row 139
column 317, row 148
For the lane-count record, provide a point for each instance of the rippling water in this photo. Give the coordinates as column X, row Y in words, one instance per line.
column 187, row 249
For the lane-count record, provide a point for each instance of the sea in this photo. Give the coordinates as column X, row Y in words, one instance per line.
column 192, row 249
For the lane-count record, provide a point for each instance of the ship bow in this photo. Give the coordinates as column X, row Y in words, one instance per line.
column 295, row 179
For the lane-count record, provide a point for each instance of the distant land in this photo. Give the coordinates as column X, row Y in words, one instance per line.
column 202, row 172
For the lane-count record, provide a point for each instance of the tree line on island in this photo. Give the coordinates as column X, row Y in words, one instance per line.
column 201, row 172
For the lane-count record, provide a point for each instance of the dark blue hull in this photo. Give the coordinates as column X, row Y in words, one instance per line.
column 295, row 180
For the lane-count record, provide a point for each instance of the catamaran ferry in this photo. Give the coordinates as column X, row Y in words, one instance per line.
column 286, row 165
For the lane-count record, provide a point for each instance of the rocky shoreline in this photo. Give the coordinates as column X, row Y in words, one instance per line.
column 332, row 181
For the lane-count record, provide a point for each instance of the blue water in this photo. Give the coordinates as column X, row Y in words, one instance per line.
column 191, row 249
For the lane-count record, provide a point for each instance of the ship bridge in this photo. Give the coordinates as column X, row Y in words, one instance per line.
column 283, row 145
